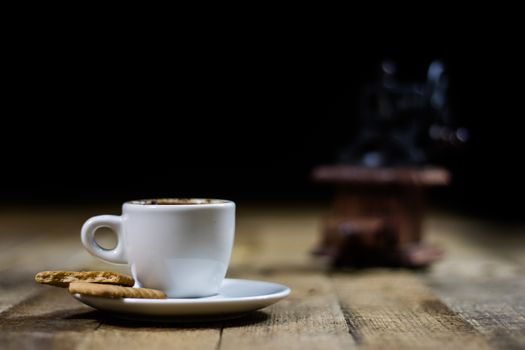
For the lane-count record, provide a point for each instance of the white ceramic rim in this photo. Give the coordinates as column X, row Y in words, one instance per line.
column 207, row 203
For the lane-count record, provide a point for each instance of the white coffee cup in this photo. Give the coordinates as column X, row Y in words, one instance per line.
column 180, row 246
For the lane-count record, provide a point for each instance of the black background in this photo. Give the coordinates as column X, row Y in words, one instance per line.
column 242, row 115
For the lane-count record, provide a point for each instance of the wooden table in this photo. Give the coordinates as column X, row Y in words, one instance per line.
column 473, row 299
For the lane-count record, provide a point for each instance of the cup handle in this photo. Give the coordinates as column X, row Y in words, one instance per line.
column 116, row 255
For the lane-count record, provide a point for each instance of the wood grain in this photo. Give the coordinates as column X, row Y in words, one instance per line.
column 34, row 322
column 275, row 246
column 474, row 298
column 31, row 315
column 13, row 295
column 482, row 277
column 394, row 310
column 116, row 337
column 308, row 319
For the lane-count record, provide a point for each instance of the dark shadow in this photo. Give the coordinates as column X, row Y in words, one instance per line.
column 88, row 315
column 119, row 320
column 80, row 320
column 437, row 307
column 352, row 323
column 62, row 320
column 249, row 319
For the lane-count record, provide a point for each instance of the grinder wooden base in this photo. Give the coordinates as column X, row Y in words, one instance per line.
column 376, row 216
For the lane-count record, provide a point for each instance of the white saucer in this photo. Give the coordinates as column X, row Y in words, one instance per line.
column 236, row 297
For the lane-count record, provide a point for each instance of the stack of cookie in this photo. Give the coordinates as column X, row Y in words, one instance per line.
column 98, row 283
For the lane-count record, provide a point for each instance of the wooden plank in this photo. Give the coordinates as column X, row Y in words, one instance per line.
column 44, row 238
column 13, row 295
column 17, row 341
column 258, row 235
column 125, row 334
column 482, row 276
column 388, row 309
column 276, row 240
column 275, row 246
column 33, row 315
column 40, row 254
column 474, row 249
column 382, row 309
column 35, row 322
column 53, row 319
column 130, row 336
column 310, row 318
column 495, row 308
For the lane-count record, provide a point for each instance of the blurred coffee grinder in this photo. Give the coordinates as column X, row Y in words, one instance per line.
column 377, row 212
